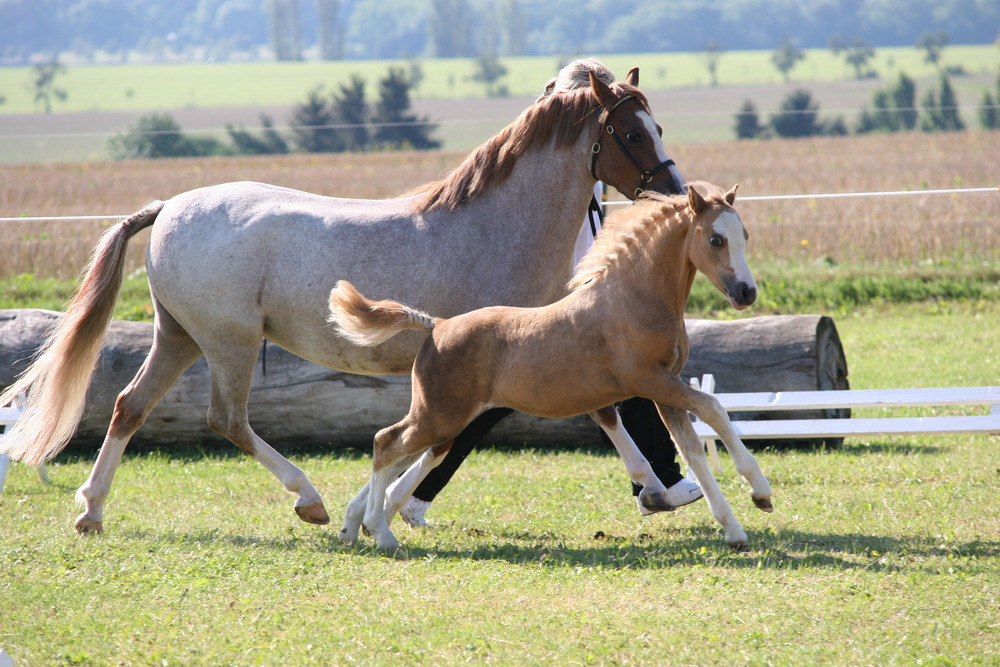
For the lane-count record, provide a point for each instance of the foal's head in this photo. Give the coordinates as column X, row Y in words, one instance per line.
column 716, row 243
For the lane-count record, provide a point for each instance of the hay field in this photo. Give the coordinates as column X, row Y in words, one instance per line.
column 894, row 231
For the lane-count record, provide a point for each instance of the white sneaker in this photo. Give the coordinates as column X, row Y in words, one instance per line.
column 413, row 512
column 682, row 493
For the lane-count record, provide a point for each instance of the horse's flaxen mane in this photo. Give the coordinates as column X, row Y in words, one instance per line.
column 492, row 162
column 624, row 231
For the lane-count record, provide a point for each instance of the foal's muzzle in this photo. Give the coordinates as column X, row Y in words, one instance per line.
column 743, row 295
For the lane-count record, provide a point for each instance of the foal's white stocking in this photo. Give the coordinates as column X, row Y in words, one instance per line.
column 653, row 494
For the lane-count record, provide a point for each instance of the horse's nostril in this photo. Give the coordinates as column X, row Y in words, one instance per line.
column 749, row 294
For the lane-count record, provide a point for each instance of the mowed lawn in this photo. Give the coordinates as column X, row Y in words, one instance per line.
column 885, row 551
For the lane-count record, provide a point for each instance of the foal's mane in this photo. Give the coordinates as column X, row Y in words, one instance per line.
column 624, row 232
column 491, row 163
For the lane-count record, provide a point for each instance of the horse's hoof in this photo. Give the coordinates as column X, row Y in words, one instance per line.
column 741, row 546
column 364, row 529
column 313, row 513
column 84, row 526
column 346, row 538
column 389, row 545
column 763, row 504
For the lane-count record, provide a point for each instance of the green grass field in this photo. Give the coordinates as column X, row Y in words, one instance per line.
column 230, row 84
column 882, row 552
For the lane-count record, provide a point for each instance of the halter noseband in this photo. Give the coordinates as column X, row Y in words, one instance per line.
column 645, row 175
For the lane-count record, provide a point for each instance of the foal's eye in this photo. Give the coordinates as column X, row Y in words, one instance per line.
column 633, row 136
column 717, row 241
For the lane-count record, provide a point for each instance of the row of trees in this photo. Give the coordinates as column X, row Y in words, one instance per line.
column 893, row 109
column 333, row 122
column 333, row 29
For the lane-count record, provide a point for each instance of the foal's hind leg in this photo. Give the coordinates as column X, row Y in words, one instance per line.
column 172, row 353
column 231, row 365
column 653, row 494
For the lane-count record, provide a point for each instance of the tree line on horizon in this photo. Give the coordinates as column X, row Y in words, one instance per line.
column 325, row 122
column 393, row 29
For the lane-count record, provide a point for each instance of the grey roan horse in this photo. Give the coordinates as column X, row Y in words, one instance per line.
column 231, row 264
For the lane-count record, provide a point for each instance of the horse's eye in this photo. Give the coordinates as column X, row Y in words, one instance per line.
column 633, row 136
column 717, row 241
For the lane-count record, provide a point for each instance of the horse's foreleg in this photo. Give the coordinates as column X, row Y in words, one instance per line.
column 232, row 374
column 653, row 494
column 404, row 486
column 172, row 353
column 691, row 448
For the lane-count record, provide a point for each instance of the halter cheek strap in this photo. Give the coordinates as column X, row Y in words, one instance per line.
column 645, row 175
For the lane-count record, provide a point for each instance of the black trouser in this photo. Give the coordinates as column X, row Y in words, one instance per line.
column 638, row 415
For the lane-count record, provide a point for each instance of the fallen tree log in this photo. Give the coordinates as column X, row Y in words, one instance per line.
column 296, row 402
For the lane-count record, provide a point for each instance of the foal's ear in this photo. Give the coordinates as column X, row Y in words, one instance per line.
column 605, row 96
column 731, row 195
column 695, row 201
column 632, row 78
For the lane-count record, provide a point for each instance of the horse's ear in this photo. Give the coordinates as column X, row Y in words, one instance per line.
column 605, row 96
column 695, row 201
column 632, row 78
column 731, row 195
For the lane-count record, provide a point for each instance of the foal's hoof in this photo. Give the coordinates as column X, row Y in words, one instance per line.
column 313, row 513
column 346, row 537
column 741, row 546
column 84, row 526
column 763, row 504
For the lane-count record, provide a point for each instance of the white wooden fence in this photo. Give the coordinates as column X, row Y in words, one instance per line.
column 852, row 398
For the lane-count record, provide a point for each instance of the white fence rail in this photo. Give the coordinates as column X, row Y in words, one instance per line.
column 851, row 426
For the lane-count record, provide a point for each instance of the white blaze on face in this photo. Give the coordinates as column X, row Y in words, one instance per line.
column 661, row 152
column 730, row 227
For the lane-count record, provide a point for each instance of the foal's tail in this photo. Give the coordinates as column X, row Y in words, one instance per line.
column 56, row 382
column 367, row 322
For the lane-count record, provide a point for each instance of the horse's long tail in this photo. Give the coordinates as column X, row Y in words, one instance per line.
column 367, row 322
column 56, row 382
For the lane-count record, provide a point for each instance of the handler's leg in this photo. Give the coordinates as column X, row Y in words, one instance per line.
column 416, row 507
column 641, row 419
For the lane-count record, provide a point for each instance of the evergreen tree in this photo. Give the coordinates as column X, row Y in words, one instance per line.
column 797, row 115
column 269, row 143
column 312, row 124
column 989, row 119
column 941, row 109
column 747, row 122
column 395, row 126
column 351, row 111
column 904, row 99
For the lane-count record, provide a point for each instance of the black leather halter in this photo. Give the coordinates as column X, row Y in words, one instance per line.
column 645, row 175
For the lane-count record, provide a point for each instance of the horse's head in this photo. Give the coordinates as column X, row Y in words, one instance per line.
column 628, row 152
column 717, row 245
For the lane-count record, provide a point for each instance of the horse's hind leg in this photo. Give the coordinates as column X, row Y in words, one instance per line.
column 404, row 486
column 231, row 364
column 172, row 353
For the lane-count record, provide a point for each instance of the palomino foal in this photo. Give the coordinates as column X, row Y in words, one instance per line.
column 619, row 333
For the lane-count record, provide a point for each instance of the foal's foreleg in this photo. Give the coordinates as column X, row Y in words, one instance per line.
column 691, row 448
column 709, row 410
column 653, row 494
